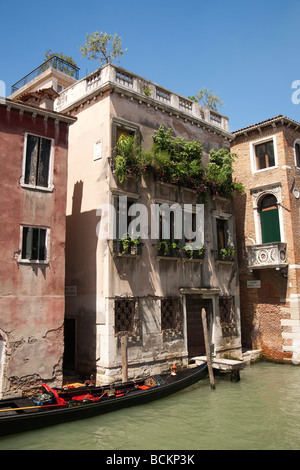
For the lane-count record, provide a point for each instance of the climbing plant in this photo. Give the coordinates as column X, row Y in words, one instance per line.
column 176, row 161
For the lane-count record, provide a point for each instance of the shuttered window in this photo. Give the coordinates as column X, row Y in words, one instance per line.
column 269, row 220
column 37, row 162
column 34, row 244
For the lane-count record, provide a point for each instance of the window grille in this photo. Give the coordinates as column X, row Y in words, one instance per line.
column 125, row 315
column 171, row 318
column 227, row 315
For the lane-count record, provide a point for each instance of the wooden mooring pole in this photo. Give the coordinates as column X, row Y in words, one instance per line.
column 124, row 358
column 207, row 348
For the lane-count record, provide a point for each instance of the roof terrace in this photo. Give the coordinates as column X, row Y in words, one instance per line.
column 141, row 89
column 54, row 62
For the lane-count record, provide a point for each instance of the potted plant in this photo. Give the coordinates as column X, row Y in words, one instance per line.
column 227, row 254
column 168, row 248
column 128, row 245
column 192, row 252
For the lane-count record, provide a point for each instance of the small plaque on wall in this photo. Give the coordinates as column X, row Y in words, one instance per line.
column 255, row 284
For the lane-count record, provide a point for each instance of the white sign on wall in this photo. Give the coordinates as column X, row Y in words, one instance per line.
column 256, row 284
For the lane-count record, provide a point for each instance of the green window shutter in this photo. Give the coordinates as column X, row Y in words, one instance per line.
column 270, row 229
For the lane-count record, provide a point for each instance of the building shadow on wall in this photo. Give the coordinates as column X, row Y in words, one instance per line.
column 80, row 314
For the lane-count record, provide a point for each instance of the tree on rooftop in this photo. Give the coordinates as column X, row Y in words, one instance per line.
column 208, row 99
column 103, row 47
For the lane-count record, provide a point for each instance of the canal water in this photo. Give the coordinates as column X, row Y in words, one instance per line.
column 261, row 412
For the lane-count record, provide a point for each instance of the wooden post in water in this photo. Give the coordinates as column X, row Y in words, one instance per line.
column 207, row 348
column 124, row 358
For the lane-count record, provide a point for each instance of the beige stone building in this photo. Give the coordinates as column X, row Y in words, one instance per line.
column 268, row 241
column 153, row 298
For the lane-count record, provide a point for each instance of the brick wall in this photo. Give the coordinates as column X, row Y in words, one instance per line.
column 268, row 320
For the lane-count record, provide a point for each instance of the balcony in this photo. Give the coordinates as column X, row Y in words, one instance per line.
column 267, row 255
column 144, row 91
column 54, row 62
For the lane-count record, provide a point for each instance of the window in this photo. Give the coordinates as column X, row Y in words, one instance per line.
column 171, row 318
column 124, row 221
column 125, row 315
column 297, row 154
column 119, row 128
column 227, row 316
column 264, row 154
column 34, row 244
column 221, row 234
column 37, row 161
column 97, row 150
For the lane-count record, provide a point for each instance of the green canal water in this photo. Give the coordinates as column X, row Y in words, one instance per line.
column 261, row 412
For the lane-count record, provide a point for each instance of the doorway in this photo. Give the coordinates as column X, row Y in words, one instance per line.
column 195, row 334
column 69, row 342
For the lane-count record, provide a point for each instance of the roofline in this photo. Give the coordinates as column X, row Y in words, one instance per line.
column 37, row 111
column 272, row 121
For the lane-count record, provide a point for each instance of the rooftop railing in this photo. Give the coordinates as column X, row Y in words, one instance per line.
column 145, row 89
column 54, row 62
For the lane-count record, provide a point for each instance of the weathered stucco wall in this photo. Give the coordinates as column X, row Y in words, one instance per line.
column 99, row 277
column 31, row 295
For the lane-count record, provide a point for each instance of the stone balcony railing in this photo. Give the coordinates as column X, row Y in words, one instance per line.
column 144, row 89
column 267, row 255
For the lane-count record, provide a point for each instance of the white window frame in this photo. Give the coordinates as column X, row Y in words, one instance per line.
column 44, row 262
column 253, row 154
column 50, row 185
column 297, row 141
column 257, row 195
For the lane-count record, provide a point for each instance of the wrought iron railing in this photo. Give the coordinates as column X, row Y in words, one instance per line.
column 54, row 62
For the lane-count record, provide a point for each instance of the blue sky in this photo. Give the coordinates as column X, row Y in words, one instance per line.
column 247, row 52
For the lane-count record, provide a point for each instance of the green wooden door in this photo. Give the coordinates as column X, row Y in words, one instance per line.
column 270, row 229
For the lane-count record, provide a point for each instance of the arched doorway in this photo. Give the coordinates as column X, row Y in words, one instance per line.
column 269, row 219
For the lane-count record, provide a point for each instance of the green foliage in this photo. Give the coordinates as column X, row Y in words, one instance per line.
column 208, row 98
column 103, row 47
column 227, row 254
column 219, row 172
column 127, row 242
column 176, row 161
column 168, row 248
column 130, row 159
column 189, row 250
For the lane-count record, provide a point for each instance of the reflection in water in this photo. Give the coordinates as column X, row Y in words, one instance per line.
column 262, row 411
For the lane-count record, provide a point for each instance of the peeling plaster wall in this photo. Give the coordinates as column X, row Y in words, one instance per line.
column 31, row 295
column 98, row 277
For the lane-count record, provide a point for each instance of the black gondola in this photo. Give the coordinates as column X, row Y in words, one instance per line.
column 55, row 406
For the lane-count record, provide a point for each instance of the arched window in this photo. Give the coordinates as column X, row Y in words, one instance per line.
column 269, row 219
